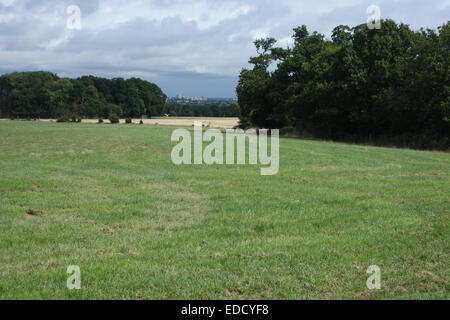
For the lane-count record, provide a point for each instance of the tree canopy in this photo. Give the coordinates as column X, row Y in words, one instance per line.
column 388, row 86
column 45, row 95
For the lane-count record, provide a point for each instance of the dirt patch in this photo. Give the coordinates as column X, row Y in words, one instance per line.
column 426, row 274
column 366, row 294
column 36, row 213
column 108, row 230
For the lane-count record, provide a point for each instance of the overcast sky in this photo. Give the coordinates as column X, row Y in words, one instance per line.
column 192, row 47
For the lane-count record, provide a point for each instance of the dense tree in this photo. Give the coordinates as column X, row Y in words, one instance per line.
column 387, row 86
column 43, row 94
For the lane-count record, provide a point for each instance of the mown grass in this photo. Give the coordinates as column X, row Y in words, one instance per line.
column 108, row 199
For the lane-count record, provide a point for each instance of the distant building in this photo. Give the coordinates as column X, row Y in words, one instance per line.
column 182, row 99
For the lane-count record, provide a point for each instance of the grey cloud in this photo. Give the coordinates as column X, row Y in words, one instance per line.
column 178, row 50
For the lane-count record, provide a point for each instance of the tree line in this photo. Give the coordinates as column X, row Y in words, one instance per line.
column 45, row 95
column 220, row 110
column 388, row 86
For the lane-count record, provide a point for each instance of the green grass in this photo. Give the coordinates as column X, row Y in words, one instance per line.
column 110, row 200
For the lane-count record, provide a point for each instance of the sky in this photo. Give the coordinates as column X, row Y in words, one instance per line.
column 192, row 47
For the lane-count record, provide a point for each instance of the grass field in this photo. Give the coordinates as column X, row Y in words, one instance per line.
column 108, row 199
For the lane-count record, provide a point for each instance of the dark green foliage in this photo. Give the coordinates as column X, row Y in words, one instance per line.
column 128, row 121
column 64, row 118
column 114, row 118
column 73, row 118
column 287, row 131
column 45, row 95
column 388, row 86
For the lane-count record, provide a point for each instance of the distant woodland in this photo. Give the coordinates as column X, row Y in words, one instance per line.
column 45, row 95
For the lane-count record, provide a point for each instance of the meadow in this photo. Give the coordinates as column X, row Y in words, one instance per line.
column 108, row 199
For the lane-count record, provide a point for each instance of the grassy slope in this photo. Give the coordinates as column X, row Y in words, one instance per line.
column 141, row 227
